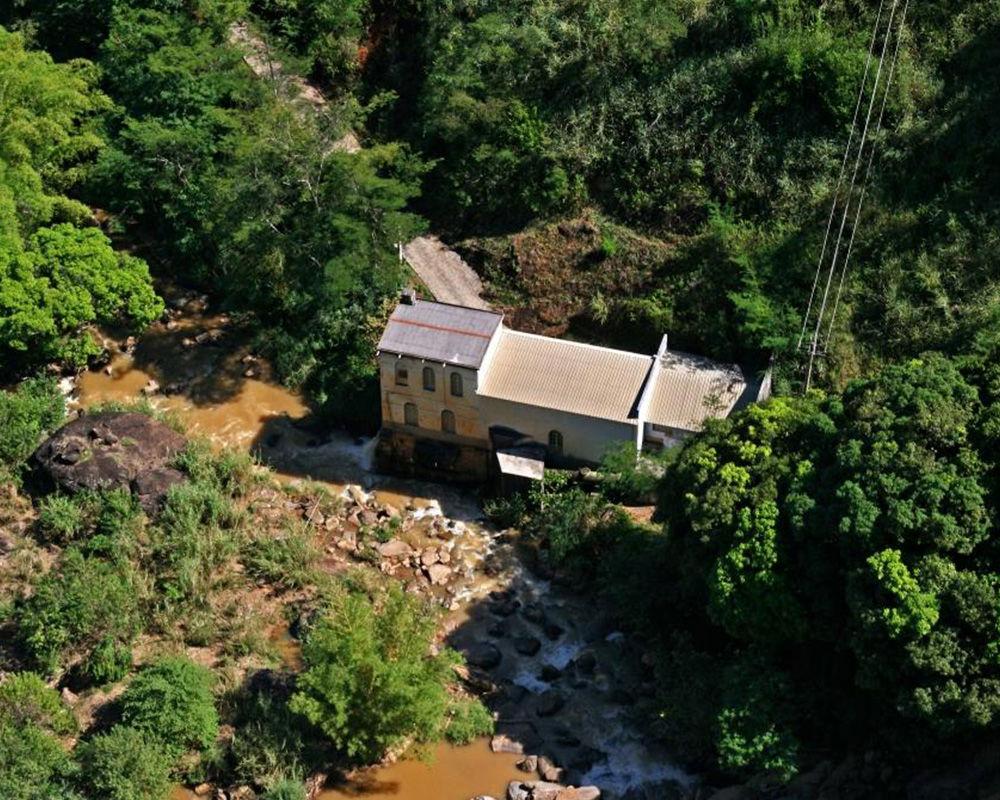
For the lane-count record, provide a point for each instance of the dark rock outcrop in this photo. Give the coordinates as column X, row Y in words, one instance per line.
column 112, row 450
column 483, row 655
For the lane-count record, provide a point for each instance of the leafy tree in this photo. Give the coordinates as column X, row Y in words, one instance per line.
column 25, row 699
column 65, row 279
column 55, row 278
column 370, row 682
column 171, row 703
column 27, row 413
column 33, row 763
column 124, row 764
column 51, row 113
column 801, row 528
column 83, row 603
column 327, row 31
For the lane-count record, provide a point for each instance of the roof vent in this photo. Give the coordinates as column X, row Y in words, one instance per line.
column 408, row 297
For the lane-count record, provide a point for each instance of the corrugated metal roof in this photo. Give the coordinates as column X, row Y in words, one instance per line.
column 440, row 332
column 565, row 376
column 691, row 389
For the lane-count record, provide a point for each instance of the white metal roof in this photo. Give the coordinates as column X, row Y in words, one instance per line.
column 690, row 389
column 565, row 376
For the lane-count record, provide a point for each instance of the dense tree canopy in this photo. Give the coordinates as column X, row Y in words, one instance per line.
column 826, row 565
column 845, row 543
column 56, row 278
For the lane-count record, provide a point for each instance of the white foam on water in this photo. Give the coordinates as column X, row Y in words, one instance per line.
column 630, row 764
column 432, row 510
column 560, row 654
column 527, row 678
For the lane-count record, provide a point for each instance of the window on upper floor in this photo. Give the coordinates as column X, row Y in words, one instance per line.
column 457, row 387
column 448, row 421
column 429, row 382
column 402, row 375
column 555, row 441
column 410, row 416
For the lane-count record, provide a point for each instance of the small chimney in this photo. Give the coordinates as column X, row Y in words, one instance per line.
column 408, row 297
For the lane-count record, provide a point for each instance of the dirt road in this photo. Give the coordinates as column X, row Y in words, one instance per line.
column 444, row 272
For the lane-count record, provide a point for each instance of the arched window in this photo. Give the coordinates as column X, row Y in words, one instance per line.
column 402, row 375
column 410, row 415
column 457, row 389
column 555, row 441
column 429, row 382
column 448, row 421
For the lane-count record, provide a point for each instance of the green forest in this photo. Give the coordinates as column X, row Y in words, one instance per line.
column 822, row 573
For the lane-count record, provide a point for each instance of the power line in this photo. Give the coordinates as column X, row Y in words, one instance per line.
column 840, row 177
column 814, row 344
column 868, row 170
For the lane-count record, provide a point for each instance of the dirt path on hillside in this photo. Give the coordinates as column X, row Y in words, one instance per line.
column 258, row 56
column 444, row 272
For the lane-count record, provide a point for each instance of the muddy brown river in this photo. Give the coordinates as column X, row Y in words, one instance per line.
column 199, row 366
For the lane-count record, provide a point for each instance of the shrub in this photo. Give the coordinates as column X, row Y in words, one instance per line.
column 171, row 702
column 609, row 246
column 509, row 511
column 286, row 789
column 33, row 764
column 26, row 699
column 33, row 409
column 631, row 477
column 125, row 764
column 87, row 600
column 105, row 523
column 119, row 521
column 370, row 683
column 468, row 719
column 287, row 561
column 61, row 519
column 192, row 538
column 270, row 743
column 566, row 521
column 109, row 662
column 229, row 471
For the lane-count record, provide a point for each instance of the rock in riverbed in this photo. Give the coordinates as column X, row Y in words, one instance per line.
column 543, row 790
column 483, row 655
column 113, row 450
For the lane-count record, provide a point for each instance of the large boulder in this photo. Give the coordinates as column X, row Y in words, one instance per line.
column 483, row 655
column 543, row 790
column 112, row 450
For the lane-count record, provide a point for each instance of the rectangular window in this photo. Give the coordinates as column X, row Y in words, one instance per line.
column 402, row 376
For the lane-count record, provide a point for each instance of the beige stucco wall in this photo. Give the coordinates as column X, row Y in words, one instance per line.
column 585, row 438
column 468, row 423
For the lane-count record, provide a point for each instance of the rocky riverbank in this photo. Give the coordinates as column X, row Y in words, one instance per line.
column 565, row 687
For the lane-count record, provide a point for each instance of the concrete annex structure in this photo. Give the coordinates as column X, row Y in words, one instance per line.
column 462, row 393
